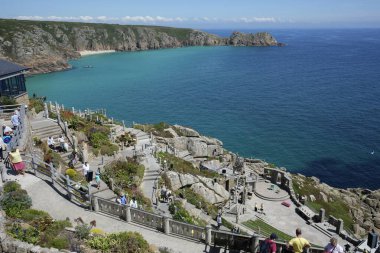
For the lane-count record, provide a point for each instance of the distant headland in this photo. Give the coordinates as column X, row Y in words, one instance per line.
column 46, row 46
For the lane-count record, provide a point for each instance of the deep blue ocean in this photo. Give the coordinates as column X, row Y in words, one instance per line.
column 312, row 106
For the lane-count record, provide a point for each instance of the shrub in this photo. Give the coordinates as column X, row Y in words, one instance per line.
column 71, row 173
column 59, row 242
column 82, row 231
column 11, row 186
column 14, row 202
column 97, row 231
column 24, row 233
column 128, row 242
column 37, row 104
column 108, row 149
column 52, row 231
column 32, row 214
column 4, row 100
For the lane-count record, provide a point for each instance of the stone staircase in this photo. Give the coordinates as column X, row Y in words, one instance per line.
column 43, row 128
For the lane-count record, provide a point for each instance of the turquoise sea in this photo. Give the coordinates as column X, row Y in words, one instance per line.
column 312, row 106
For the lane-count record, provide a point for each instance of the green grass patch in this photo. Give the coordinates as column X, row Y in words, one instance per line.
column 181, row 166
column 336, row 208
column 156, row 129
column 266, row 230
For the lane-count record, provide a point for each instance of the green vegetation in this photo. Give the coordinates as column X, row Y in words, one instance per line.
column 198, row 201
column 156, row 129
column 181, row 214
column 336, row 208
column 266, row 229
column 127, row 176
column 126, row 140
column 4, row 100
column 30, row 225
column 181, row 166
column 37, row 104
column 128, row 242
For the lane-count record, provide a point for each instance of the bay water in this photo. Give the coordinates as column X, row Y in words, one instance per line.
column 312, row 106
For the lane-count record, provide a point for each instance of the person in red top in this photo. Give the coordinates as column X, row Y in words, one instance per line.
column 269, row 245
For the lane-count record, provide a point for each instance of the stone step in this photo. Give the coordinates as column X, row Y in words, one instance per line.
column 46, row 134
column 43, row 128
column 320, row 229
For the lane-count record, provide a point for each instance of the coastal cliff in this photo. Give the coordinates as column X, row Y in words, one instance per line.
column 47, row 46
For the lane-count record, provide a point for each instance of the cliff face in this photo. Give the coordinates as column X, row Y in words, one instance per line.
column 47, row 46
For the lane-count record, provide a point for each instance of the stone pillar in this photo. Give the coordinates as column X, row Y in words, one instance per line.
column 123, row 125
column 95, row 204
column 322, row 213
column 166, row 225
column 3, row 169
column 208, row 234
column 75, row 143
column 85, row 152
column 46, row 111
column 339, row 226
column 111, row 184
column 254, row 243
column 237, row 216
column 66, row 127
column 73, row 110
column 128, row 216
column 69, row 196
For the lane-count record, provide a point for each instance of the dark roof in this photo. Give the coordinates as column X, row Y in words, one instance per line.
column 9, row 68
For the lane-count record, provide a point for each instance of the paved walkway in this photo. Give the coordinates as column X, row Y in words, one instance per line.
column 45, row 198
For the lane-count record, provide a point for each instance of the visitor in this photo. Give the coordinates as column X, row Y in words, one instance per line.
column 133, row 203
column 123, row 199
column 16, row 161
column 298, row 243
column 269, row 245
column 51, row 142
column 236, row 230
column 262, row 208
column 15, row 119
column 3, row 147
column 86, row 168
column 256, row 207
column 65, row 147
column 333, row 246
column 61, row 141
column 74, row 159
column 97, row 180
column 219, row 221
column 7, row 130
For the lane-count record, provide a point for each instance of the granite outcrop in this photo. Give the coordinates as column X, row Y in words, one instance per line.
column 47, row 46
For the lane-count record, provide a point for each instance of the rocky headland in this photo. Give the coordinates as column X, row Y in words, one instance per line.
column 47, row 46
column 360, row 206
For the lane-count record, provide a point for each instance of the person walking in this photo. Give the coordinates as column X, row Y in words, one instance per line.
column 219, row 221
column 85, row 168
column 333, row 246
column 298, row 243
column 133, row 203
column 15, row 119
column 2, row 148
column 97, row 180
column 269, row 245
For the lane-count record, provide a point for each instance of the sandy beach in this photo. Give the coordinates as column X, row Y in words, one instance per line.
column 87, row 52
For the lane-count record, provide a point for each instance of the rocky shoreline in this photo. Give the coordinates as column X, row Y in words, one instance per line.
column 47, row 46
column 363, row 204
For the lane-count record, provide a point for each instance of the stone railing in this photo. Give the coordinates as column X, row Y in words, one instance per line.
column 169, row 226
column 6, row 111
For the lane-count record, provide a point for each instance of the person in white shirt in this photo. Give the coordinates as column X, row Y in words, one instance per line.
column 15, row 119
column 333, row 246
column 51, row 142
column 86, row 168
column 61, row 141
column 133, row 203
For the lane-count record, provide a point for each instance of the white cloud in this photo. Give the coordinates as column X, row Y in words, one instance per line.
column 158, row 19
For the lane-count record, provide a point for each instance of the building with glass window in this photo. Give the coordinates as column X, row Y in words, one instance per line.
column 12, row 81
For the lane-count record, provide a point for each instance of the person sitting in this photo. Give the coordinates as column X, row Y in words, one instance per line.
column 51, row 142
column 16, row 161
column 7, row 130
column 61, row 141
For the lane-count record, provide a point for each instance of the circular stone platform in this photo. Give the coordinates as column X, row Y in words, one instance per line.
column 269, row 191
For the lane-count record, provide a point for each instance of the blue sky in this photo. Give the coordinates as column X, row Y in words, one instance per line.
column 203, row 13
